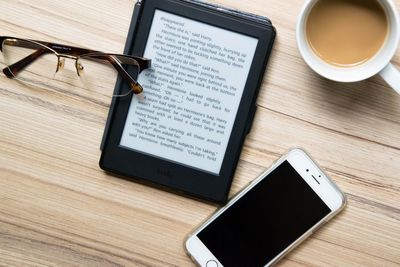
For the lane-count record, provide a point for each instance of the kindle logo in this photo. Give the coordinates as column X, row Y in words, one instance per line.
column 164, row 172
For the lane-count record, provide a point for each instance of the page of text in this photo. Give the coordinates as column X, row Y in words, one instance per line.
column 192, row 92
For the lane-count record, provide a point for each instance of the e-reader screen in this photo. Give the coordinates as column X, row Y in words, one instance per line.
column 192, row 92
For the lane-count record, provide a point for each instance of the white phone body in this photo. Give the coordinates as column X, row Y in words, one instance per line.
column 315, row 178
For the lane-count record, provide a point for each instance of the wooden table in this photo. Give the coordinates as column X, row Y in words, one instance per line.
column 57, row 207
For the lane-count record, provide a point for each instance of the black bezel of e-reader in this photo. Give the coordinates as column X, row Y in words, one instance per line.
column 140, row 166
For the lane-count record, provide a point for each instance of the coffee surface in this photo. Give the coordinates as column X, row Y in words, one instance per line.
column 346, row 32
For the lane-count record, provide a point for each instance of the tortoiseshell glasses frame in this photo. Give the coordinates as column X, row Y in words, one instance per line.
column 75, row 53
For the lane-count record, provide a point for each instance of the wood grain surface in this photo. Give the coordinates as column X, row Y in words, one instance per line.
column 58, row 208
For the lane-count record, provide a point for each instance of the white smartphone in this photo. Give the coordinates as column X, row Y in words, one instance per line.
column 267, row 219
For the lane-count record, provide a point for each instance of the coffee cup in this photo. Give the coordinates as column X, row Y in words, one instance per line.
column 342, row 70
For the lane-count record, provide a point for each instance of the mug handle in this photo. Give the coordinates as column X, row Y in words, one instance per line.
column 392, row 76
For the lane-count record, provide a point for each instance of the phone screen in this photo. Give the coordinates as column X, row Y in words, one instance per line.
column 266, row 220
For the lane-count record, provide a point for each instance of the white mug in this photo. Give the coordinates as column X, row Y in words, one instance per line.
column 380, row 63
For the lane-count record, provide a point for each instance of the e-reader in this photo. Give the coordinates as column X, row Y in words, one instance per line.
column 187, row 133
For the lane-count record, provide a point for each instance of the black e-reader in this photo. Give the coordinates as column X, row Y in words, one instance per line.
column 200, row 94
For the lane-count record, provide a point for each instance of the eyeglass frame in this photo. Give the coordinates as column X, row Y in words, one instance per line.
column 75, row 53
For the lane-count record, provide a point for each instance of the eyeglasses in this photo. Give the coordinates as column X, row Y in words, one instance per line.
column 36, row 62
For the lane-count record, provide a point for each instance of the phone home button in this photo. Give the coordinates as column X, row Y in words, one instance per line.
column 211, row 263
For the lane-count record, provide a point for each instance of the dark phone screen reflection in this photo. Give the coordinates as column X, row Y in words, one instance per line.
column 265, row 221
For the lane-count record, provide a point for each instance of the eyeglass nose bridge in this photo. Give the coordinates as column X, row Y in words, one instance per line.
column 61, row 62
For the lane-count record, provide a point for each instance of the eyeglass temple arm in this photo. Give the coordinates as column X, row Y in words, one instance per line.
column 12, row 70
column 133, row 84
column 141, row 63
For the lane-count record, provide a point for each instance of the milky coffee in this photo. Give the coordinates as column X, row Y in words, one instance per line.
column 346, row 33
